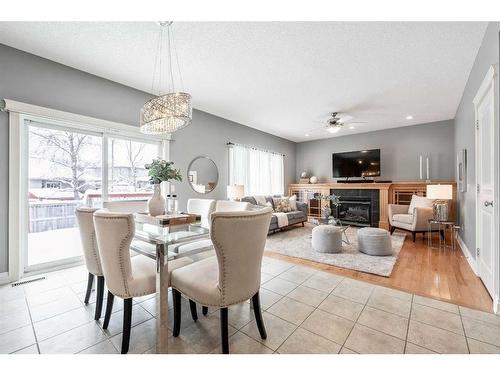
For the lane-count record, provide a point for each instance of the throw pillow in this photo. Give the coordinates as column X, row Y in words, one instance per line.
column 293, row 202
column 417, row 201
column 282, row 204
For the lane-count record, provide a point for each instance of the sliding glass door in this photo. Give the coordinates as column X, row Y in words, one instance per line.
column 66, row 170
column 63, row 168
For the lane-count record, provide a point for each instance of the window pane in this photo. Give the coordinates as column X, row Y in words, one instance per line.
column 64, row 171
column 127, row 176
column 261, row 172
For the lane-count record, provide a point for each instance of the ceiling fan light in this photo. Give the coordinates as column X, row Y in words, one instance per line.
column 333, row 129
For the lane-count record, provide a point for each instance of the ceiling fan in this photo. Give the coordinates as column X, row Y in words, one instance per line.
column 335, row 123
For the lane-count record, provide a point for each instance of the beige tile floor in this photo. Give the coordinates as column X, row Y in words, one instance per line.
column 305, row 311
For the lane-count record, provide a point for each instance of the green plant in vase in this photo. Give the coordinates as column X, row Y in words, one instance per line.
column 159, row 171
column 326, row 211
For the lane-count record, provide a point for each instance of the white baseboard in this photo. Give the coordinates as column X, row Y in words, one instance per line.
column 467, row 254
column 496, row 306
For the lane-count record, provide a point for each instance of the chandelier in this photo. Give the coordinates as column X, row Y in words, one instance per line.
column 165, row 113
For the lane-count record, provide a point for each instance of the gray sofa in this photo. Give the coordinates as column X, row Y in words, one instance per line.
column 294, row 217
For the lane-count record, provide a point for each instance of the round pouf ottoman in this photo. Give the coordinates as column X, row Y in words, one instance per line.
column 374, row 241
column 327, row 239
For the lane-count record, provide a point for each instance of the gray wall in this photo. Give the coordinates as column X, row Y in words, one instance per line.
column 207, row 136
column 465, row 134
column 34, row 80
column 399, row 151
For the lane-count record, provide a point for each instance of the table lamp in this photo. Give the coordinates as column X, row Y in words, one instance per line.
column 235, row 192
column 441, row 194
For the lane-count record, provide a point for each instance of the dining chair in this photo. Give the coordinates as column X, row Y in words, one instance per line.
column 84, row 216
column 128, row 206
column 233, row 275
column 126, row 277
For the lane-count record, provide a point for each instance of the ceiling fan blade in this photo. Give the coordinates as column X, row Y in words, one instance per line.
column 344, row 118
column 355, row 122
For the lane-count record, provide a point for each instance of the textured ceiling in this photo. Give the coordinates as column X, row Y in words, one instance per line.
column 282, row 78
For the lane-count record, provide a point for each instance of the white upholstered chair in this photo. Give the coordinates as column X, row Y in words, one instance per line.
column 411, row 218
column 84, row 216
column 202, row 207
column 233, row 276
column 228, row 206
column 126, row 206
column 126, row 277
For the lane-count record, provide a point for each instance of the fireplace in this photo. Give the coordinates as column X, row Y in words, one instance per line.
column 358, row 207
column 354, row 210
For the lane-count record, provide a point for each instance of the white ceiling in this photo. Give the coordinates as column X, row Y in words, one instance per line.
column 280, row 77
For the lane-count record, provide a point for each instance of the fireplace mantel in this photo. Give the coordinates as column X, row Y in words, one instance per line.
column 389, row 192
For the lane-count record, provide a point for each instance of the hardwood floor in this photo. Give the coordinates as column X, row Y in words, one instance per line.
column 439, row 274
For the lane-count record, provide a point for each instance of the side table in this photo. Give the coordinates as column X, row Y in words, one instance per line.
column 442, row 226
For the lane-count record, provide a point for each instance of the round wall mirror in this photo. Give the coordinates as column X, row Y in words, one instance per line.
column 203, row 174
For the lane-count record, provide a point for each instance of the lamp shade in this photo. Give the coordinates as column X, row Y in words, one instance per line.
column 235, row 192
column 439, row 192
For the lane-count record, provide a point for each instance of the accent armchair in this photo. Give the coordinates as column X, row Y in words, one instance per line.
column 416, row 222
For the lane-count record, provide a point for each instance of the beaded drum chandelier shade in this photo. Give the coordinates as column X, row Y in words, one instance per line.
column 166, row 113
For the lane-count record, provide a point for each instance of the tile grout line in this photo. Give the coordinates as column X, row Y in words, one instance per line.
column 32, row 325
column 408, row 326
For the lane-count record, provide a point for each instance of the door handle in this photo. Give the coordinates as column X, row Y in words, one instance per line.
column 486, row 203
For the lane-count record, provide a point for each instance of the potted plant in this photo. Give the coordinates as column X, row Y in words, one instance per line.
column 158, row 171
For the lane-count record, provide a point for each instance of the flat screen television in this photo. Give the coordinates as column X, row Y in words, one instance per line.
column 365, row 163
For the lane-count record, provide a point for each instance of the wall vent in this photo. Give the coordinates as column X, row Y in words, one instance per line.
column 28, row 281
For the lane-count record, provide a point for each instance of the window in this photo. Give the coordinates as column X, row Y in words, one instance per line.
column 59, row 161
column 127, row 176
column 261, row 172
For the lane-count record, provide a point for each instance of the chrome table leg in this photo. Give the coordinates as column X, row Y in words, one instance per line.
column 161, row 299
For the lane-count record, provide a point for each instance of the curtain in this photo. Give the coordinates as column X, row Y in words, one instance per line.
column 261, row 172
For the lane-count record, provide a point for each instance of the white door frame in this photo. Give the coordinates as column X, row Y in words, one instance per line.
column 491, row 81
column 18, row 165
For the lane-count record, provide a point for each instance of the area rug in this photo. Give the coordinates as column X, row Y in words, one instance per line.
column 296, row 242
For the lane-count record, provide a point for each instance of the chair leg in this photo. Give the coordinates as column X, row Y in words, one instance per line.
column 204, row 310
column 99, row 297
column 258, row 316
column 224, row 330
column 177, row 312
column 194, row 313
column 109, row 310
column 90, row 282
column 127, row 323
column 392, row 229
column 413, row 235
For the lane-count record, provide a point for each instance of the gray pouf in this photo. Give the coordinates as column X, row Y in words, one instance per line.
column 327, row 239
column 374, row 241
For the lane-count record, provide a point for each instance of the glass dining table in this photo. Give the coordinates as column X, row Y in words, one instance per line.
column 153, row 238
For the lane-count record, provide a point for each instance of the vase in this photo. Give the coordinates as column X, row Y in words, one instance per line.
column 156, row 204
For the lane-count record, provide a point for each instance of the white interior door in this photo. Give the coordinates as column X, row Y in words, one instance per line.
column 486, row 153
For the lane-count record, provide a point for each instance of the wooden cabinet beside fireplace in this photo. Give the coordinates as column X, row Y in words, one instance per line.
column 395, row 192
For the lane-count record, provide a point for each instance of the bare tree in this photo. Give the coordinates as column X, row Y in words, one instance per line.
column 134, row 158
column 65, row 150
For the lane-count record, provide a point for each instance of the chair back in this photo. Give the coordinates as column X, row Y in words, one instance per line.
column 230, row 206
column 202, row 207
column 85, row 218
column 115, row 231
column 239, row 238
column 126, row 206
